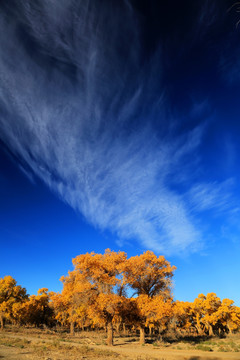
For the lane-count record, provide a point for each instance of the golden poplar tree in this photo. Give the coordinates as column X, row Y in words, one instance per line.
column 96, row 282
column 10, row 295
column 148, row 276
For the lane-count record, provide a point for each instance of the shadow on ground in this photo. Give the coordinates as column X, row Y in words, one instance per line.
column 201, row 358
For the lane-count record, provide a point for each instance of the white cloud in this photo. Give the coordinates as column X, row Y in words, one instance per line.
column 212, row 196
column 79, row 115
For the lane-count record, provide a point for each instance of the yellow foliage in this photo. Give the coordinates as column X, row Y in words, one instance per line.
column 148, row 274
column 10, row 295
column 95, row 294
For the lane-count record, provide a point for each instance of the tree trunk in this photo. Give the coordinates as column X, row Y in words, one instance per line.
column 118, row 328
column 199, row 330
column 151, row 331
column 229, row 329
column 109, row 333
column 72, row 326
column 142, row 335
column 124, row 329
column 198, row 325
column 2, row 321
column 210, row 330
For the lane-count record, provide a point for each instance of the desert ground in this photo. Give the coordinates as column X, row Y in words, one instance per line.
column 31, row 343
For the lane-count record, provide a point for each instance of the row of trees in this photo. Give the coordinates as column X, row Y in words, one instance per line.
column 115, row 292
column 19, row 308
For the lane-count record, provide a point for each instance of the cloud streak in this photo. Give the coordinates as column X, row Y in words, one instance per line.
column 79, row 104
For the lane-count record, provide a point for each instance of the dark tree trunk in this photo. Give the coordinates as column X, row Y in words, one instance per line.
column 151, row 331
column 2, row 321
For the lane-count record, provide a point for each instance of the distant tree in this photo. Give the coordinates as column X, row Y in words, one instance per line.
column 160, row 314
column 228, row 316
column 234, row 323
column 205, row 313
column 37, row 310
column 183, row 317
column 11, row 298
column 60, row 306
column 198, row 313
column 211, row 305
column 72, row 305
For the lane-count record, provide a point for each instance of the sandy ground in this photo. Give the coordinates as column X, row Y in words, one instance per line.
column 33, row 347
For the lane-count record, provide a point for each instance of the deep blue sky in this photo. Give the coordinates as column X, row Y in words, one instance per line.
column 119, row 128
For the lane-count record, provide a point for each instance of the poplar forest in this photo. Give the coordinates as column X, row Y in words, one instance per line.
column 118, row 296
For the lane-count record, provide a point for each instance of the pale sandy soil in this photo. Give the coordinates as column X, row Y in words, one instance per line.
column 45, row 346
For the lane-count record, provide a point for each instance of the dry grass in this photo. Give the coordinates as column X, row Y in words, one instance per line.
column 50, row 347
column 23, row 343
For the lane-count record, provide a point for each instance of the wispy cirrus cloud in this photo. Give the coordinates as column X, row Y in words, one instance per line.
column 213, row 196
column 79, row 104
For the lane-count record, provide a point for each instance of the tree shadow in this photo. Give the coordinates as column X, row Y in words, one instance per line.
column 188, row 338
column 201, row 358
column 131, row 340
column 173, row 339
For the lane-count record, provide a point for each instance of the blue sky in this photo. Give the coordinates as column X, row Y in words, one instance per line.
column 119, row 128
